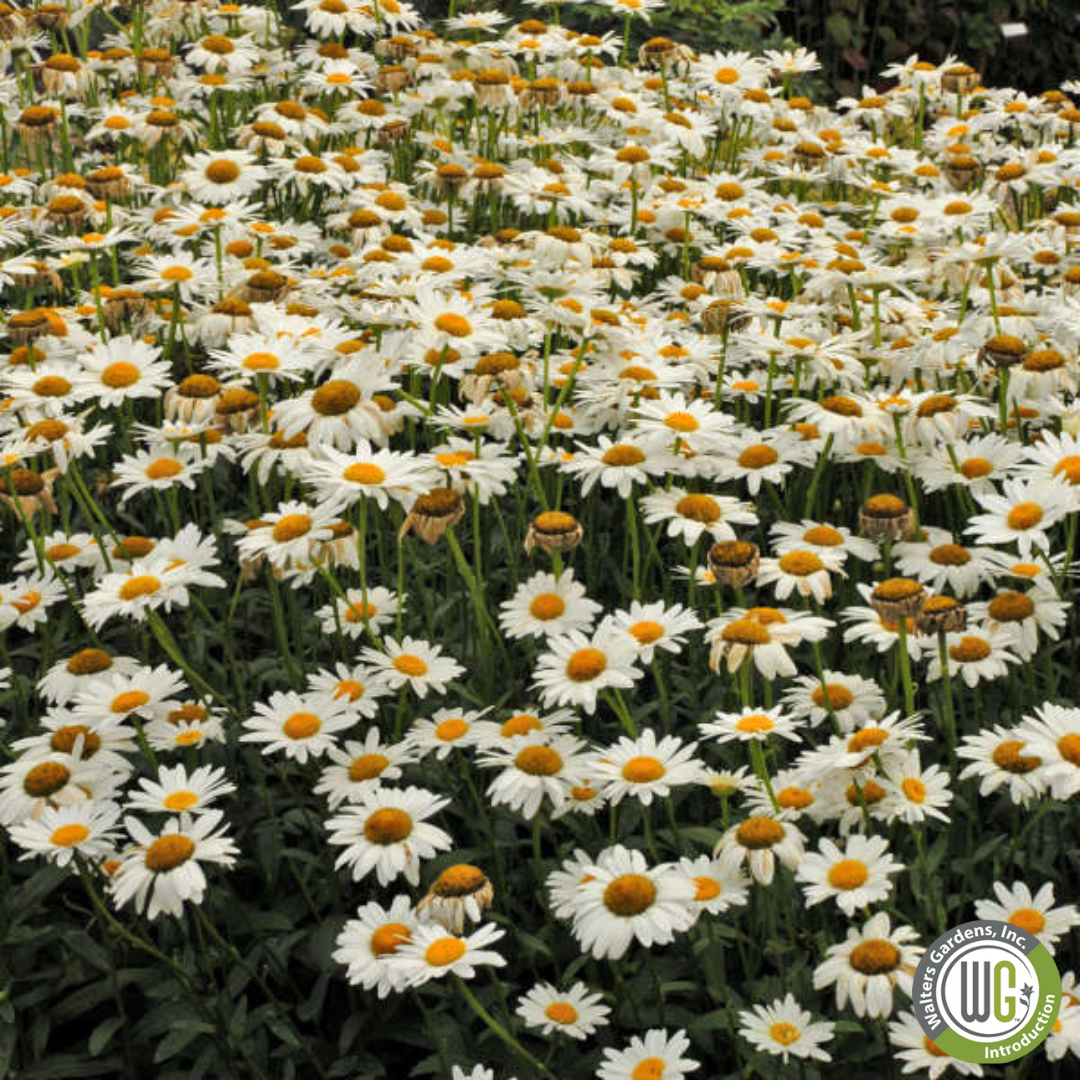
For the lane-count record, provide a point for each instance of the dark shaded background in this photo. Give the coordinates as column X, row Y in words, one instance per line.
column 855, row 39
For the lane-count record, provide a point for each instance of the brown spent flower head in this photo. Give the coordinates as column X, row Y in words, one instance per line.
column 734, row 563
column 554, row 531
column 886, row 517
column 723, row 316
column 432, row 514
column 959, row 79
column 1003, row 351
column 941, row 614
column 897, row 598
column 460, row 892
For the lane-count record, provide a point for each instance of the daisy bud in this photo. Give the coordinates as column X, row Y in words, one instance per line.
column 734, row 562
column 886, row 516
column 941, row 613
column 1002, row 351
column 459, row 893
column 897, row 598
column 959, row 79
column 432, row 514
column 554, row 531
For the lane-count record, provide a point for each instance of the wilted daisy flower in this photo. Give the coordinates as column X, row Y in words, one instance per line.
column 546, row 606
column 576, row 1012
column 620, row 899
column 869, row 965
column 645, row 767
column 658, row 1054
column 367, row 941
column 387, row 831
column 758, row 842
column 88, row 829
column 298, row 724
column 163, row 872
column 433, row 953
column 1035, row 914
column 855, row 877
column 413, row 663
column 176, row 791
column 785, row 1029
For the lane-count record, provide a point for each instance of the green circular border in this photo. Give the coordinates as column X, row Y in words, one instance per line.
column 974, row 1052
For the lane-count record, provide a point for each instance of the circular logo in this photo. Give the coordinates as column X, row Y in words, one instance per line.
column 986, row 992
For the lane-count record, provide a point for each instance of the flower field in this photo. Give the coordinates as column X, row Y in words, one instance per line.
column 523, row 555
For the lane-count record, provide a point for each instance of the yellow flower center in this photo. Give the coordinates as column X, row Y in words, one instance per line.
column 387, row 826
column 1025, row 515
column 1034, row 922
column 367, row 767
column 1011, row 607
column 701, row 508
column 302, row 725
column 120, row 374
column 756, row 833
column 386, row 939
column 51, row 386
column 412, row 666
column 969, row 650
column 129, row 701
column 168, row 852
column 681, row 421
column 69, row 835
column 646, row 632
column 1007, row 756
column 875, row 956
column 521, row 724
column 335, row 398
column 363, row 472
column 291, row 527
column 586, row 664
column 222, row 171
column 759, row 456
column 650, row 1068
column 793, row 798
column 180, row 800
column 629, row 895
column 784, row 1033
column 848, row 874
column 261, row 361
column 975, row 468
column 455, row 325
column 950, row 555
column 452, row 729
column 445, row 951
column 1069, row 748
column 643, row 770
column 753, row 723
column 462, row 879
column 800, row 563
column 867, row 738
column 914, row 789
column 746, row 632
column 623, row 455
column 839, row 697
column 164, row 469
column 561, row 1012
column 705, row 889
column 539, row 761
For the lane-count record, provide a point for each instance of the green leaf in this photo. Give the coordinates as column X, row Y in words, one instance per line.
column 103, row 1033
column 838, row 27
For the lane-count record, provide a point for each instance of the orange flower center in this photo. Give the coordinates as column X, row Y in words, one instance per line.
column 629, row 895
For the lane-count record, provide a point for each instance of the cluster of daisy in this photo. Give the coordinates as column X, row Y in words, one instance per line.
column 489, row 433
